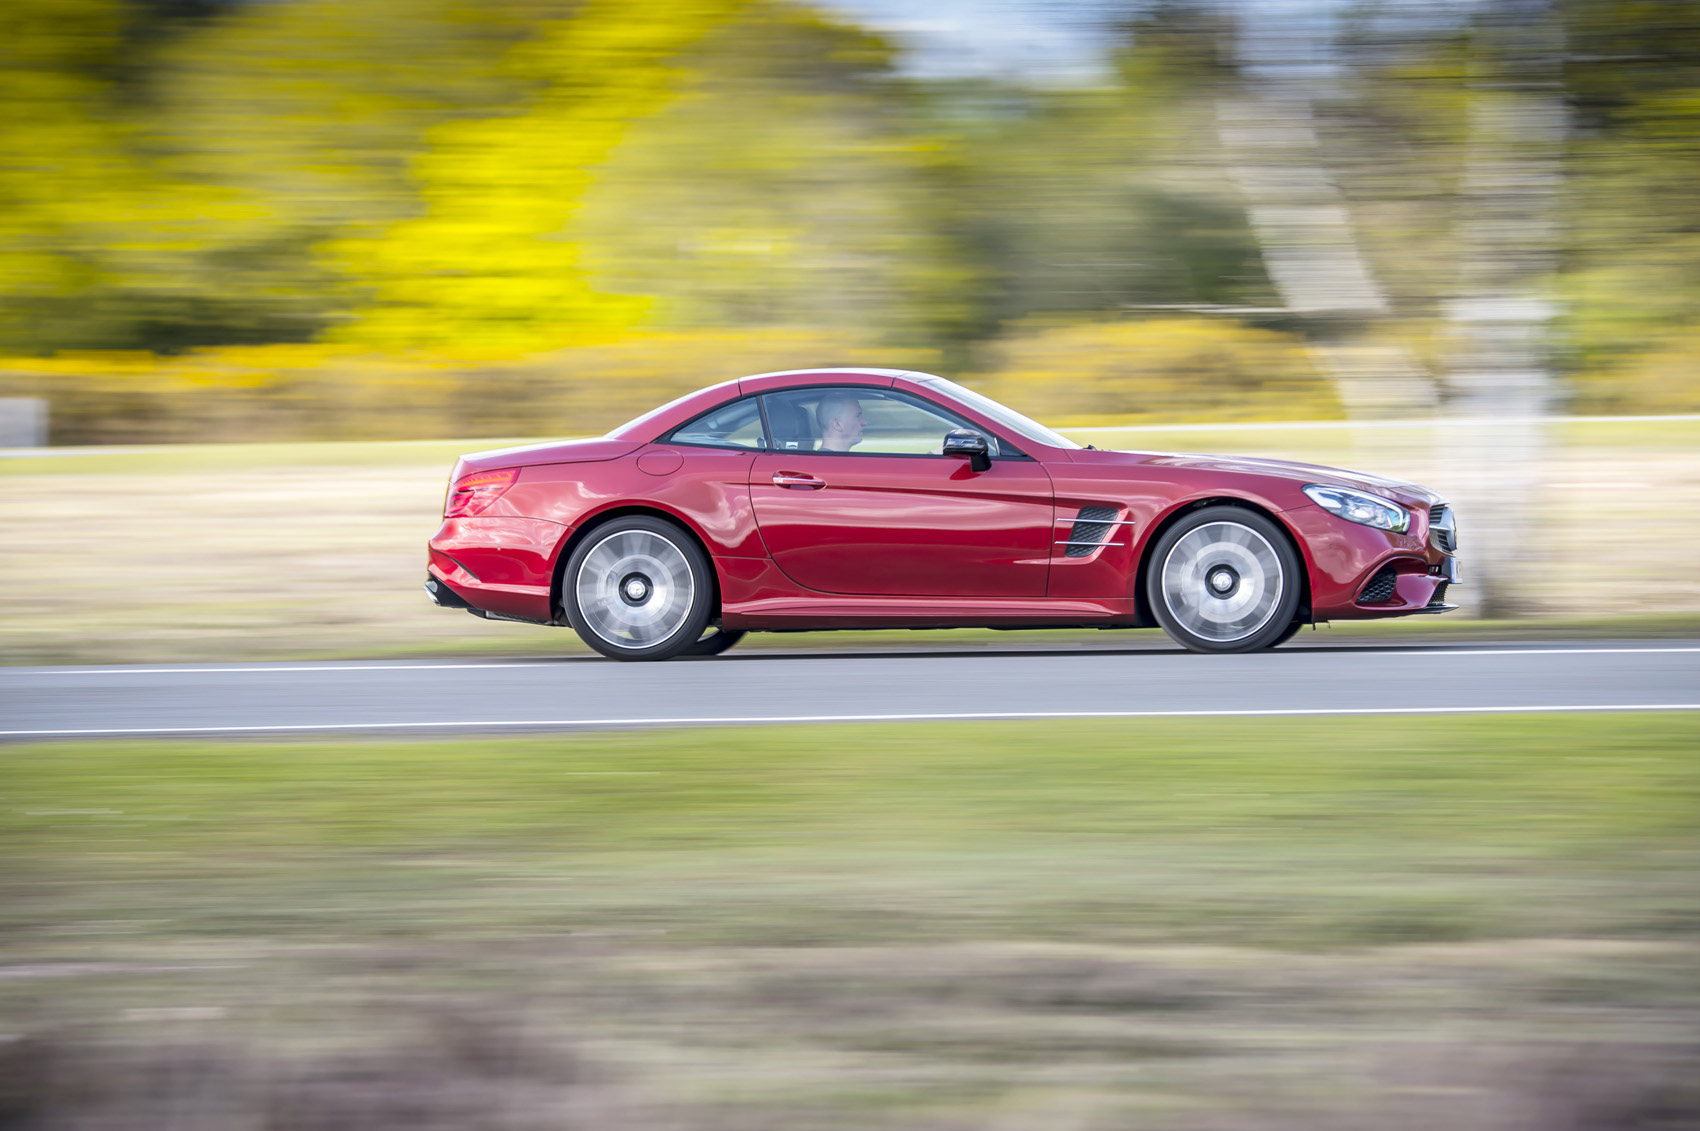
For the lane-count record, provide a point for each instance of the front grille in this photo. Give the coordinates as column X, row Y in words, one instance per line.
column 1381, row 586
column 1091, row 526
column 1439, row 597
column 1443, row 528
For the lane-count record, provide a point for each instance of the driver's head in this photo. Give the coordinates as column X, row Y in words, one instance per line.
column 840, row 417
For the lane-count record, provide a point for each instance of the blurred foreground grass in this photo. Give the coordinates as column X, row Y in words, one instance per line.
column 270, row 551
column 1468, row 922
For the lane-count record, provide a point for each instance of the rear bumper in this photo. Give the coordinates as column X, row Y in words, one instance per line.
column 443, row 596
column 501, row 566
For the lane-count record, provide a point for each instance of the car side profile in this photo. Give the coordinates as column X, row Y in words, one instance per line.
column 877, row 498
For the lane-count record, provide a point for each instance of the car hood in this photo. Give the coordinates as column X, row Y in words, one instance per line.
column 556, row 451
column 1400, row 491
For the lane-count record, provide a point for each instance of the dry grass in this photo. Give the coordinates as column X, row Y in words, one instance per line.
column 935, row 1039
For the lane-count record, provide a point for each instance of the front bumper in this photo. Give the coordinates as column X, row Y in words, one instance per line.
column 1361, row 573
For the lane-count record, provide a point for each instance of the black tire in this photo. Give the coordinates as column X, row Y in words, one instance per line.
column 1292, row 631
column 716, row 642
column 1225, row 579
column 638, row 588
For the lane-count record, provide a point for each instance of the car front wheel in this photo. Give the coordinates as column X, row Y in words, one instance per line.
column 1225, row 579
column 638, row 588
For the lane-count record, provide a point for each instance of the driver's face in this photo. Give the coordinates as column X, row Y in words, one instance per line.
column 850, row 420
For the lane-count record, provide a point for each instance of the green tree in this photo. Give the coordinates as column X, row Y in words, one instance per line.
column 312, row 112
column 93, row 230
column 785, row 186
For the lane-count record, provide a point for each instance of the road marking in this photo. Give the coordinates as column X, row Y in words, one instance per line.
column 918, row 716
column 544, row 662
column 1508, row 651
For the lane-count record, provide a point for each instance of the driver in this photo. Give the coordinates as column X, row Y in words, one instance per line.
column 840, row 417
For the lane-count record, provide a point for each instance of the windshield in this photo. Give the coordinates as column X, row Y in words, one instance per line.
column 1003, row 414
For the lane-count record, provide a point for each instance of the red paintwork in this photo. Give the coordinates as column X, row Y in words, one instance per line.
column 874, row 528
column 918, row 541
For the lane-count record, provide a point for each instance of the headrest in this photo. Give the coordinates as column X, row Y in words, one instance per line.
column 792, row 428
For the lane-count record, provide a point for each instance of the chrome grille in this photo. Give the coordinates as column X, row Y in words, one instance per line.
column 1443, row 529
column 1091, row 526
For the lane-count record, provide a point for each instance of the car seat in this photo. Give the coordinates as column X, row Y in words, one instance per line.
column 793, row 426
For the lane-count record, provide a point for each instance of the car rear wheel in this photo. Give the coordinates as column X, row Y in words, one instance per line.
column 638, row 588
column 1225, row 579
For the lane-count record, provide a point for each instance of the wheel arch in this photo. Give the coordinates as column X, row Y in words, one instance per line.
column 602, row 518
column 1148, row 615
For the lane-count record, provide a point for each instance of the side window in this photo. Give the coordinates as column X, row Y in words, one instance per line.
column 736, row 425
column 860, row 420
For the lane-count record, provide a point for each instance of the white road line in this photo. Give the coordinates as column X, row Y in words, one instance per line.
column 919, row 716
column 1426, row 652
column 1436, row 651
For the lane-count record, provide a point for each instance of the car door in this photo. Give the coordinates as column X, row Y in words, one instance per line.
column 852, row 496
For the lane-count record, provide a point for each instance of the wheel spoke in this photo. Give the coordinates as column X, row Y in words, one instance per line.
column 634, row 588
column 1247, row 586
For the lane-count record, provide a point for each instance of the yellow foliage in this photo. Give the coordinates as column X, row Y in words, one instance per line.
column 492, row 262
column 300, row 392
column 1160, row 369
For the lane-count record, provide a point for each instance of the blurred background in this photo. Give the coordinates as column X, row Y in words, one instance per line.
column 268, row 266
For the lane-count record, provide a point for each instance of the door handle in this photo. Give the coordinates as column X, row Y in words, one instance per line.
column 797, row 481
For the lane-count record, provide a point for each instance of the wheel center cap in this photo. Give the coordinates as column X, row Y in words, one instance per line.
column 635, row 589
column 1223, row 581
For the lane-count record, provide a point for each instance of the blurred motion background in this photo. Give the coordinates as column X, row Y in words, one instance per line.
column 267, row 266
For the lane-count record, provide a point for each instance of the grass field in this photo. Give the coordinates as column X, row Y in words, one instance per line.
column 274, row 551
column 1476, row 923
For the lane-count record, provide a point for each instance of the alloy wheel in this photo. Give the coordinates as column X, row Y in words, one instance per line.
column 635, row 589
column 1222, row 582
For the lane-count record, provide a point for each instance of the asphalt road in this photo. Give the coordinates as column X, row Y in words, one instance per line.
column 754, row 686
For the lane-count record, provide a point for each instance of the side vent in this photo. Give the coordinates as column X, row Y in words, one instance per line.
column 1092, row 526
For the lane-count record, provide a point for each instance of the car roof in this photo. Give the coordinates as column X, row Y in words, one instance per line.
column 659, row 421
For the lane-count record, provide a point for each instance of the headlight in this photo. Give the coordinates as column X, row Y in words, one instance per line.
column 1362, row 508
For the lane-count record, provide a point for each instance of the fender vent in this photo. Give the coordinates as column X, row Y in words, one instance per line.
column 1091, row 526
column 1381, row 586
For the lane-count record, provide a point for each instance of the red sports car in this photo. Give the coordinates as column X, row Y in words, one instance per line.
column 879, row 498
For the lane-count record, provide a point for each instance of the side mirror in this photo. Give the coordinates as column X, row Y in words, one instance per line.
column 969, row 443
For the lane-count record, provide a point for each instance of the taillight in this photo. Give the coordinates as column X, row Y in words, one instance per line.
column 473, row 494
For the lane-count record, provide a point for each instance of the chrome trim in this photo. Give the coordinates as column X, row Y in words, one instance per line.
column 1443, row 528
column 1096, row 521
column 1066, row 542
